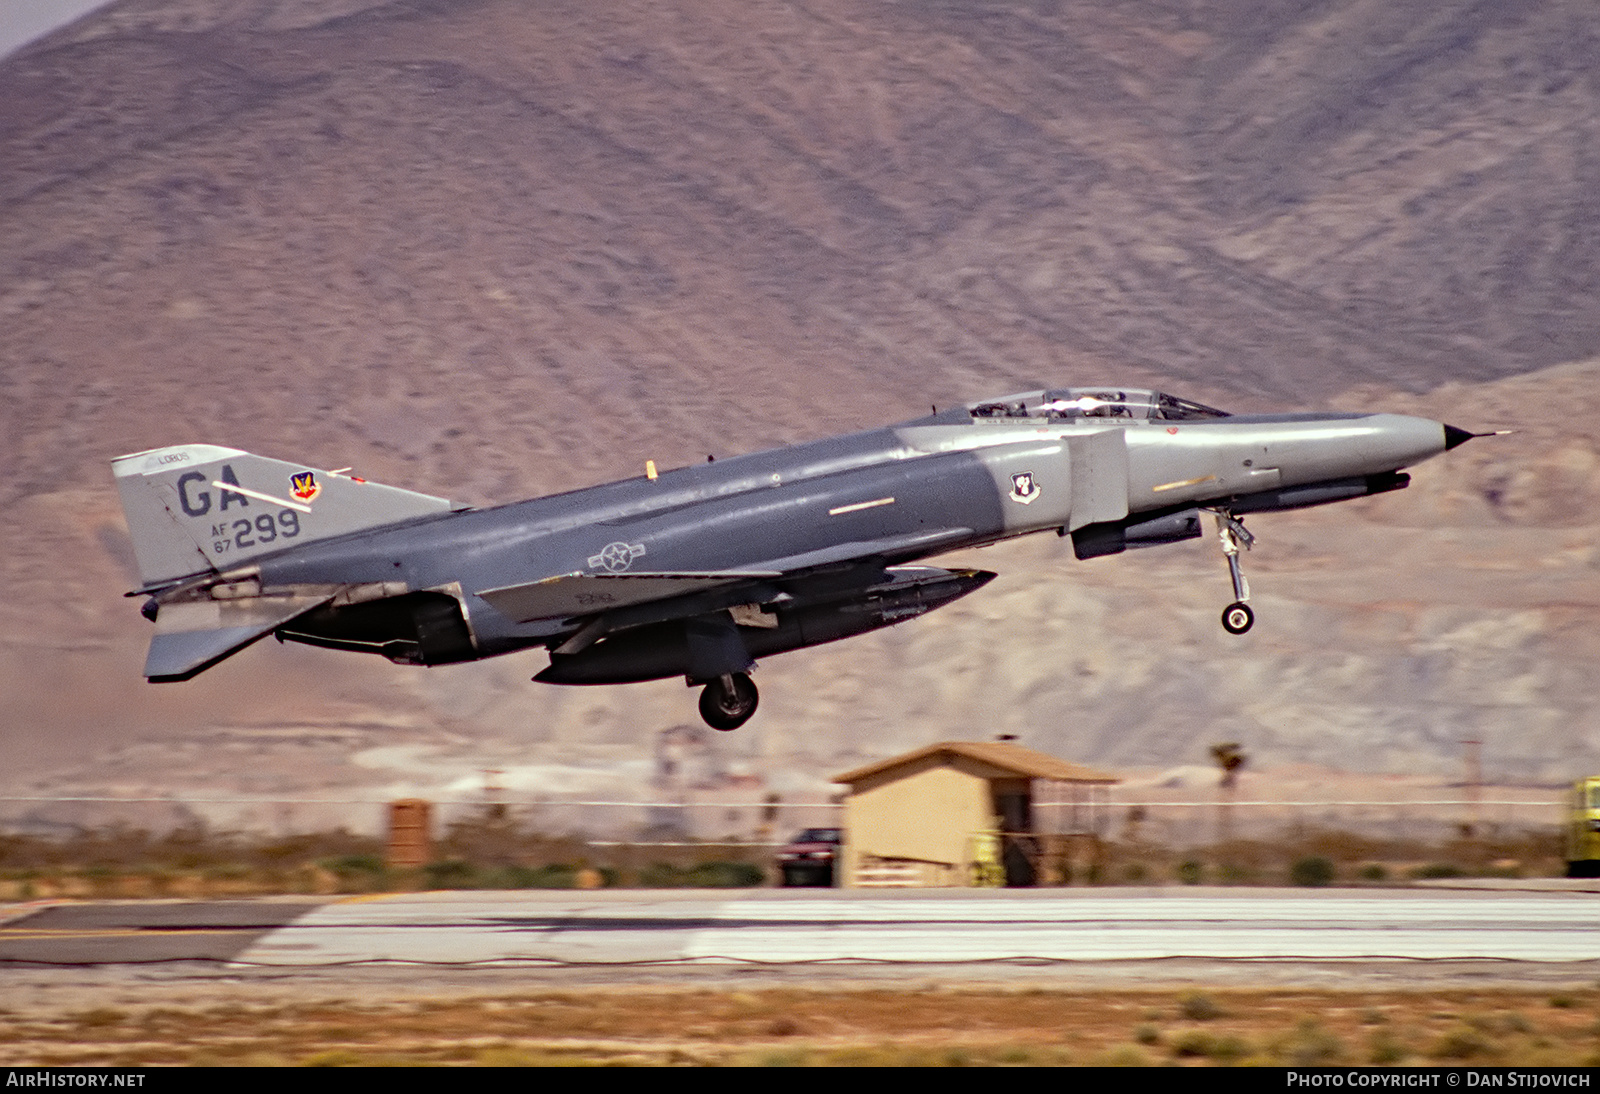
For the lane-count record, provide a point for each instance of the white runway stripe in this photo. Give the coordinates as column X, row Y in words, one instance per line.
column 512, row 927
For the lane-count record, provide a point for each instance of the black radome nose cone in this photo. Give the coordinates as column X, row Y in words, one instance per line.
column 1454, row 437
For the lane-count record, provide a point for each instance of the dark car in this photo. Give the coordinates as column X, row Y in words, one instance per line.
column 808, row 858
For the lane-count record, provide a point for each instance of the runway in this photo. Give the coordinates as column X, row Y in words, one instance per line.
column 800, row 929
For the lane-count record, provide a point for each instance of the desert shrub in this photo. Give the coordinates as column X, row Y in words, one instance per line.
column 359, row 872
column 1313, row 870
column 559, row 875
column 1197, row 1007
column 1224, row 1048
column 1386, row 1048
column 1504, row 1022
column 1122, row 1056
column 450, row 874
column 1310, row 1046
column 1463, row 1043
column 1437, row 870
column 705, row 875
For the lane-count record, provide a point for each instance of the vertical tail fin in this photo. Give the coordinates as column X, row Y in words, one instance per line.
column 200, row 508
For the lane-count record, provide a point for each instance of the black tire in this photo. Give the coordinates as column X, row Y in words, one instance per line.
column 727, row 708
column 807, row 877
column 1238, row 618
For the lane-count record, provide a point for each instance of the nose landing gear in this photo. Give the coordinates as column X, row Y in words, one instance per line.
column 729, row 701
column 1236, row 617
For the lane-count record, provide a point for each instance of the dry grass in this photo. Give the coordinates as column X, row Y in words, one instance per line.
column 785, row 1027
column 479, row 853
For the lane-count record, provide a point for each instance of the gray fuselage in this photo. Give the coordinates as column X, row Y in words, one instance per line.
column 852, row 505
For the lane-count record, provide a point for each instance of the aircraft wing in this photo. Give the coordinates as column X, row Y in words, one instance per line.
column 585, row 594
column 579, row 594
column 191, row 636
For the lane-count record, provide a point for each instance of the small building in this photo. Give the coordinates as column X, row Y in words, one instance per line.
column 962, row 813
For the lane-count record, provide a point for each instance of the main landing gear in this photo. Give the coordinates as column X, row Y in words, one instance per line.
column 1236, row 617
column 728, row 701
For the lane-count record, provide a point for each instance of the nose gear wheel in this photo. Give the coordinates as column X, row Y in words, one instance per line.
column 1237, row 618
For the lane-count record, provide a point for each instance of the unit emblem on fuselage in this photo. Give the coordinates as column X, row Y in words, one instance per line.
column 616, row 557
column 1023, row 487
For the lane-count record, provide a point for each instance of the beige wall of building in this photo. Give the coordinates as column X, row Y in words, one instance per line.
column 927, row 812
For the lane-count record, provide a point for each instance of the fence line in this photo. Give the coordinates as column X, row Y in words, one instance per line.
column 1464, row 803
column 760, row 820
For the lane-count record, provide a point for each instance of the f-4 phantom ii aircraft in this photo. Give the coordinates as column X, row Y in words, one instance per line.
column 698, row 571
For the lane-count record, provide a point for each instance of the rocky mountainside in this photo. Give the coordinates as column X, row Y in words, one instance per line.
column 491, row 249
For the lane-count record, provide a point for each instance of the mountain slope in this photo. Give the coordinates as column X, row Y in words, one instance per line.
column 493, row 249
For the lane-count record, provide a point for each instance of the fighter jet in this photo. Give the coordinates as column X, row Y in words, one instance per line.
column 699, row 571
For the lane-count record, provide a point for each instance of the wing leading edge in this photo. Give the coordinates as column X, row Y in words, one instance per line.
column 575, row 595
column 568, row 595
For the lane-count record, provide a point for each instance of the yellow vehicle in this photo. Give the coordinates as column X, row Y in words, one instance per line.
column 1583, row 829
column 987, row 872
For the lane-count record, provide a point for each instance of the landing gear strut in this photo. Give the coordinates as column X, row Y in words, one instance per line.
column 728, row 701
column 1236, row 617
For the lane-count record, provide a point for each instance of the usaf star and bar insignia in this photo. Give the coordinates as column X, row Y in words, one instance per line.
column 616, row 557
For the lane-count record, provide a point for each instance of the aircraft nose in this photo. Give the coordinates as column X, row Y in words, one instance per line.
column 1388, row 442
column 1454, row 437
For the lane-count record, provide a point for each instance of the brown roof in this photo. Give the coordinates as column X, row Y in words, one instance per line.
column 1023, row 761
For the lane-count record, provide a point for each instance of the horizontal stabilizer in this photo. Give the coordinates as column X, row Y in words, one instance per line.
column 584, row 594
column 191, row 636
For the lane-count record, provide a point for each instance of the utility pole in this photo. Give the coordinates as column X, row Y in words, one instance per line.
column 1473, row 756
column 493, row 798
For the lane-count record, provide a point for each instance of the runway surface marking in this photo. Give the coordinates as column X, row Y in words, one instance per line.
column 123, row 931
column 469, row 928
column 786, row 927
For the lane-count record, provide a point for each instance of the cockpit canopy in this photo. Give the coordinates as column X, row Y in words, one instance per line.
column 1059, row 404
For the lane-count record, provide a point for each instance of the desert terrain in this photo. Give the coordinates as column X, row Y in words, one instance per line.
column 490, row 250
